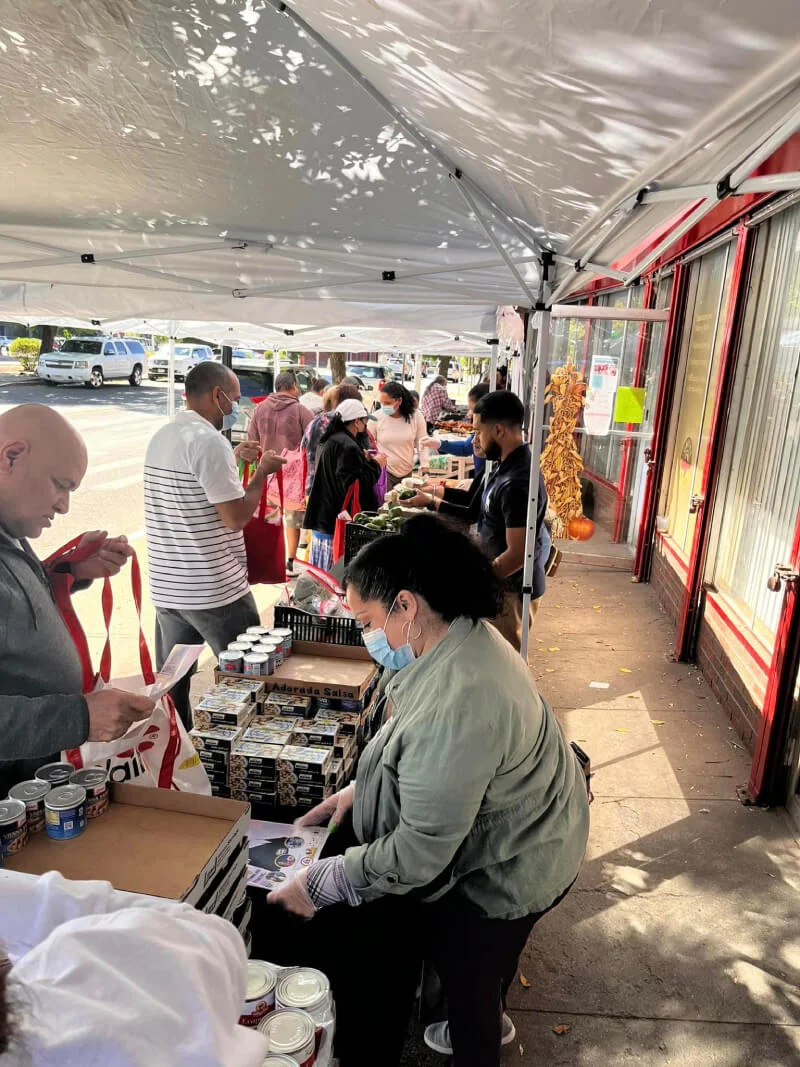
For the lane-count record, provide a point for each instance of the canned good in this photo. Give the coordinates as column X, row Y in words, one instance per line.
column 275, row 1059
column 259, row 999
column 257, row 631
column 247, row 637
column 292, row 1033
column 65, row 812
column 240, row 646
column 265, row 650
column 230, row 662
column 32, row 795
column 13, row 826
column 95, row 781
column 306, row 989
column 284, row 635
column 255, row 663
column 274, row 648
column 55, row 773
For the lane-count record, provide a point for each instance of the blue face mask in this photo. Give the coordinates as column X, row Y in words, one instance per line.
column 382, row 652
column 229, row 420
column 387, row 409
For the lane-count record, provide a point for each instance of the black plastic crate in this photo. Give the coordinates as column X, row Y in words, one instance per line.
column 356, row 537
column 324, row 629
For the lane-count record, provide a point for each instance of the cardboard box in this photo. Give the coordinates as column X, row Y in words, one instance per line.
column 247, row 754
column 348, row 722
column 216, row 760
column 301, row 760
column 227, row 880
column 269, row 735
column 346, row 747
column 324, row 675
column 219, row 711
column 312, row 733
column 154, row 841
column 239, row 688
column 255, row 796
column 218, row 738
column 286, row 704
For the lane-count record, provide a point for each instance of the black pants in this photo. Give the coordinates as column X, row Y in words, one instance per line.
column 214, row 626
column 373, row 957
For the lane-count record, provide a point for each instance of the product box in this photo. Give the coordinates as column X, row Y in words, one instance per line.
column 326, row 675
column 269, row 735
column 255, row 796
column 292, row 791
column 217, row 773
column 327, row 705
column 348, row 722
column 249, row 754
column 217, row 711
column 283, row 704
column 314, row 733
column 310, row 763
column 216, row 739
column 280, row 724
column 261, row 778
column 214, row 758
column 239, row 689
column 159, row 842
column 346, row 748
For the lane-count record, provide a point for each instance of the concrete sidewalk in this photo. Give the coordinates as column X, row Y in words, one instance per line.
column 679, row 945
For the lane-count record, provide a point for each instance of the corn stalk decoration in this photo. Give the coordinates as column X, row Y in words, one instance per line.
column 561, row 465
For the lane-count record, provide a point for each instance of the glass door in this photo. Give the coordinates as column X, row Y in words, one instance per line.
column 698, row 374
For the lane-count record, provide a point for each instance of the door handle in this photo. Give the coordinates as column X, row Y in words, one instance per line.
column 695, row 504
column 782, row 574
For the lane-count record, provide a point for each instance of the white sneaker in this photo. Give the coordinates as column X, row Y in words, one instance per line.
column 437, row 1036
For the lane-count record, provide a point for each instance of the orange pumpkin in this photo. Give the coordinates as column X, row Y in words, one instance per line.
column 580, row 529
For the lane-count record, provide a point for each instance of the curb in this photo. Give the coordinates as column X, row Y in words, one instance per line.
column 8, row 379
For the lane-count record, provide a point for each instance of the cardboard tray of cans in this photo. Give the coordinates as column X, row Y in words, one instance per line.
column 328, row 676
column 153, row 841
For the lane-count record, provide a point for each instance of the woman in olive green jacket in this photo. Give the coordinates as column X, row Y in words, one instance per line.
column 469, row 808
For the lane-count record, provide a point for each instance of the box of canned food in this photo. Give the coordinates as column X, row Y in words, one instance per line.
column 269, row 735
column 215, row 759
column 217, row 711
column 217, row 773
column 282, row 723
column 302, row 760
column 239, row 689
column 346, row 748
column 254, row 796
column 248, row 754
column 312, row 733
column 335, row 704
column 347, row 721
column 318, row 790
column 254, row 772
column 217, row 738
column 288, row 704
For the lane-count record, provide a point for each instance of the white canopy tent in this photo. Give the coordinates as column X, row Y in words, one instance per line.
column 371, row 163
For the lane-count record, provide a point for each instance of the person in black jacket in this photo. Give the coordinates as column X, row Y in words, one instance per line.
column 341, row 461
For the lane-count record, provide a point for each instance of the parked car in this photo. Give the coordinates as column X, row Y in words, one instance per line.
column 372, row 376
column 256, row 380
column 93, row 361
column 186, row 357
column 454, row 372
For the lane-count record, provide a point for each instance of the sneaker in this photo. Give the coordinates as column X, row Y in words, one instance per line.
column 437, row 1036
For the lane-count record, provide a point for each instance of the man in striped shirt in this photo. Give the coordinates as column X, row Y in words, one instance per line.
column 195, row 511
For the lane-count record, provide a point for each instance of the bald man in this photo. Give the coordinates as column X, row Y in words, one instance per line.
column 42, row 709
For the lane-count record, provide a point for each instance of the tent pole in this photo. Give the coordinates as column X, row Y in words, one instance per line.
column 674, row 235
column 537, row 422
column 418, row 373
column 171, row 372
column 493, row 368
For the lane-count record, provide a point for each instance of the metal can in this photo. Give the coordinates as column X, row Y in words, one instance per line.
column 32, row 795
column 245, row 639
column 240, row 646
column 284, row 635
column 255, row 664
column 275, row 1059
column 259, row 998
column 95, row 781
column 13, row 827
column 257, row 631
column 55, row 773
column 65, row 812
column 262, row 649
column 274, row 648
column 292, row 1033
column 306, row 989
column 230, row 662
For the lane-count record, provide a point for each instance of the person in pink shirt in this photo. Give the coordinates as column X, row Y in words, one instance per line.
column 278, row 424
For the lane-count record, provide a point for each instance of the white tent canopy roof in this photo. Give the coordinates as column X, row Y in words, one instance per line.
column 391, row 163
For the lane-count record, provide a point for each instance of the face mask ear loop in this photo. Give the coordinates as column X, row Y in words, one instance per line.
column 407, row 631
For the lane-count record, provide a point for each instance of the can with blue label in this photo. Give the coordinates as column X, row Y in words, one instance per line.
column 65, row 812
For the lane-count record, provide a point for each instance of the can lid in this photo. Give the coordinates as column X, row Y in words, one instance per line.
column 32, row 790
column 239, row 646
column 276, row 1059
column 303, row 988
column 50, row 771
column 287, row 1030
column 89, row 776
column 231, row 653
column 256, row 657
column 261, row 979
column 65, row 796
column 11, row 810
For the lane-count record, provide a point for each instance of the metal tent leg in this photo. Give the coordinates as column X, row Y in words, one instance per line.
column 537, row 423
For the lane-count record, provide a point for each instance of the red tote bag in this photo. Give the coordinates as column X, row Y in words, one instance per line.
column 350, row 507
column 264, row 539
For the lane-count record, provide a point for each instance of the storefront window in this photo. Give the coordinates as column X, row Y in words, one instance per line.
column 707, row 302
column 759, row 494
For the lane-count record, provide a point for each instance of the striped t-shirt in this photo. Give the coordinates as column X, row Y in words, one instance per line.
column 195, row 561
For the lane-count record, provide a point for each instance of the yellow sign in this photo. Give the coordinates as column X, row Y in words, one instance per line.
column 629, row 405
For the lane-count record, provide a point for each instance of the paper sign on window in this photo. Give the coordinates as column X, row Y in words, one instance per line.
column 629, row 405
column 599, row 411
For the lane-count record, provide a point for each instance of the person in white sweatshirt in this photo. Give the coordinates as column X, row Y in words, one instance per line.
column 101, row 978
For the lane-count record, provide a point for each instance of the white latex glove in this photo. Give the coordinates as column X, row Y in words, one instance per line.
column 433, row 443
column 332, row 810
column 294, row 896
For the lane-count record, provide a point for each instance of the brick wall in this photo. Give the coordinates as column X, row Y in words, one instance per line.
column 667, row 583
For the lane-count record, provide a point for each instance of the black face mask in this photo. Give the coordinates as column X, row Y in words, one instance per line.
column 493, row 451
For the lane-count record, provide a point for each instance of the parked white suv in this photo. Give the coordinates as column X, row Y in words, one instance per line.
column 93, row 361
column 186, row 357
